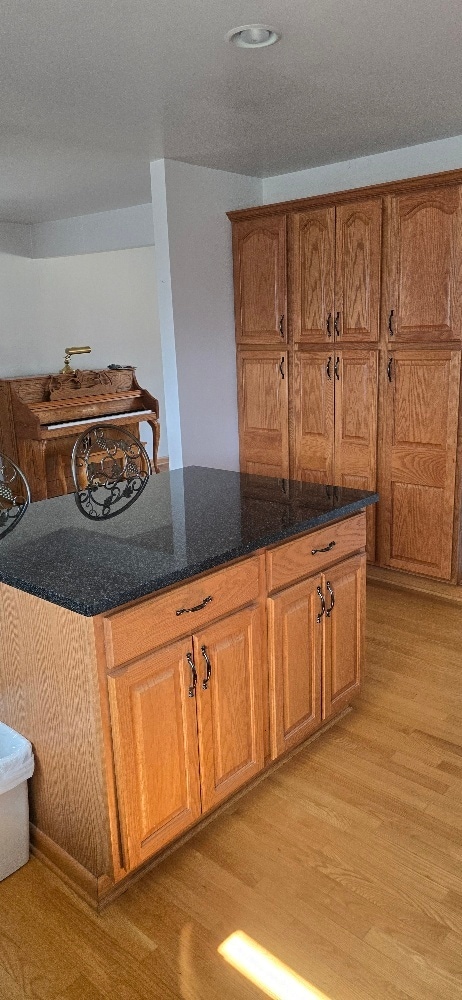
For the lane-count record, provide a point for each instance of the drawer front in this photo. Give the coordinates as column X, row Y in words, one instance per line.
column 152, row 623
column 296, row 559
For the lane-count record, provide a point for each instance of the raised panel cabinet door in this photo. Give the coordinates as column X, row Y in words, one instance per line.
column 424, row 266
column 156, row 757
column 358, row 254
column 295, row 640
column 229, row 704
column 263, row 412
column 260, row 298
column 356, row 387
column 417, row 481
column 312, row 255
column 313, row 415
column 344, row 587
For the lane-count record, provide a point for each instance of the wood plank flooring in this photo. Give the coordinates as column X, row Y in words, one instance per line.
column 345, row 864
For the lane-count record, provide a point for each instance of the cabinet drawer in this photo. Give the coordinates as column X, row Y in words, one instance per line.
column 152, row 623
column 296, row 559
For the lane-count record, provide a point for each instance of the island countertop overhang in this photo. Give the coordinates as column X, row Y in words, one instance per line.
column 185, row 523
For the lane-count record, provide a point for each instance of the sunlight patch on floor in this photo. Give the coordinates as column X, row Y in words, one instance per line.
column 265, row 971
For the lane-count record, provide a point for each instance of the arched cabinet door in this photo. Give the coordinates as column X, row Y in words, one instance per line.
column 260, row 301
column 312, row 257
column 422, row 293
column 358, row 252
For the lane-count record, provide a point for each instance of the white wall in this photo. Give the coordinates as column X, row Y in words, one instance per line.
column 121, row 229
column 397, row 164
column 194, row 268
column 106, row 300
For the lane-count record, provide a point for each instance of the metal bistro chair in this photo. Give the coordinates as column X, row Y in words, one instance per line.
column 110, row 468
column 14, row 495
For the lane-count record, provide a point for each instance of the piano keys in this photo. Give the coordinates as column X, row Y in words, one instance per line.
column 41, row 417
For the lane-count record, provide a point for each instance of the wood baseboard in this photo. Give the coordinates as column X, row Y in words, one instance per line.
column 421, row 584
column 89, row 887
column 163, row 464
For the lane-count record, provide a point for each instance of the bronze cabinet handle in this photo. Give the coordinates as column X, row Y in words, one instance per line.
column 332, row 600
column 390, row 323
column 326, row 548
column 323, row 604
column 281, row 367
column 328, row 328
column 281, row 326
column 336, row 324
column 208, row 672
column 337, row 362
column 329, row 376
column 197, row 607
column 192, row 689
column 389, row 369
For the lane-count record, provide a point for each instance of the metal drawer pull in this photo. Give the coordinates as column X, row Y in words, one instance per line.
column 208, row 673
column 281, row 327
column 336, row 324
column 390, row 323
column 281, row 367
column 337, row 362
column 327, row 548
column 323, row 604
column 192, row 689
column 329, row 376
column 389, row 369
column 329, row 331
column 332, row 599
column 198, row 607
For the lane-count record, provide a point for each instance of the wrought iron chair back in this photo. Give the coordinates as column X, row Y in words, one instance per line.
column 14, row 495
column 110, row 468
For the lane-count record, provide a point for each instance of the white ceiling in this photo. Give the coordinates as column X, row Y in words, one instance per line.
column 91, row 90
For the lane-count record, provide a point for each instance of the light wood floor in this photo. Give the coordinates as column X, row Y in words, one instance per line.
column 346, row 863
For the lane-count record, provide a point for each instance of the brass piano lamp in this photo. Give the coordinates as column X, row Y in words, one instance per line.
column 70, row 351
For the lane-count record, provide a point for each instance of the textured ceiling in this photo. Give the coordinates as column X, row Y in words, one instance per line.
column 91, row 90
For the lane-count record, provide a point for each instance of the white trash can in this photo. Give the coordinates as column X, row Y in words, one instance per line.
column 16, row 766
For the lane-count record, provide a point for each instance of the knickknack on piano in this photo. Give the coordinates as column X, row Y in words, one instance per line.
column 41, row 417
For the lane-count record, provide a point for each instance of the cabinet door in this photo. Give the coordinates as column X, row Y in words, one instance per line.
column 313, row 409
column 229, row 704
column 263, row 413
column 357, row 270
column 421, row 393
column 295, row 638
column 312, row 249
column 424, row 266
column 344, row 587
column 154, row 730
column 259, row 252
column 356, row 380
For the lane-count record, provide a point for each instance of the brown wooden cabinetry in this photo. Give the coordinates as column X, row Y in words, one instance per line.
column 187, row 725
column 352, row 303
column 155, row 751
column 421, row 402
column 316, row 642
column 335, row 255
column 263, row 412
column 423, row 264
column 259, row 251
column 335, row 420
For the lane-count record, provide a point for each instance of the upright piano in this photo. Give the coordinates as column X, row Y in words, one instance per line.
column 41, row 417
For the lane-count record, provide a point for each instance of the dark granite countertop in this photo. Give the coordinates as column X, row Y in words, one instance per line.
column 185, row 522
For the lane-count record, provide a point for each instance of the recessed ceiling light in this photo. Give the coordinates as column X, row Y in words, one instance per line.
column 253, row 36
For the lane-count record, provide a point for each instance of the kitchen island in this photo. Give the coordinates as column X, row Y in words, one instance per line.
column 161, row 660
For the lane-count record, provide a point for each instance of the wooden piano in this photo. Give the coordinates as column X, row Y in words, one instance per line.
column 41, row 417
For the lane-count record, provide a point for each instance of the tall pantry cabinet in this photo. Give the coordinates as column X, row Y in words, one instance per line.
column 348, row 329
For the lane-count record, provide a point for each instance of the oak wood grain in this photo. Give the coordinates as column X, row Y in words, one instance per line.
column 358, row 257
column 263, row 378
column 291, row 561
column 260, row 298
